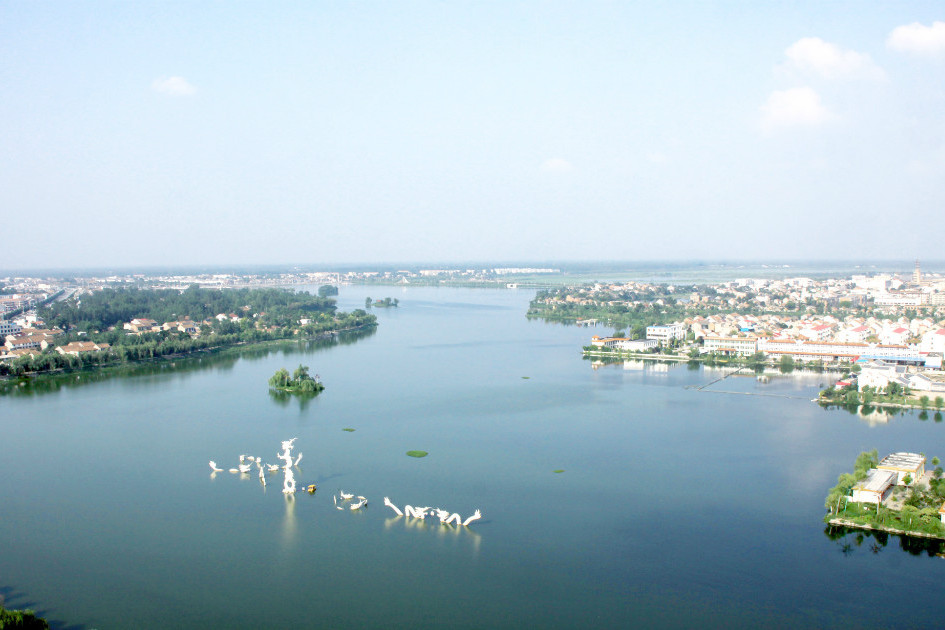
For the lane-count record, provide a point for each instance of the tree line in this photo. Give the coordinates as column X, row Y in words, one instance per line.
column 113, row 307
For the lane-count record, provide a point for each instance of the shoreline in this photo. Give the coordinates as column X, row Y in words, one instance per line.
column 9, row 383
column 842, row 522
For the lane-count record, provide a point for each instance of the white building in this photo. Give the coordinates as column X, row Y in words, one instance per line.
column 9, row 328
column 933, row 341
column 904, row 464
column 878, row 374
column 665, row 333
column 857, row 334
column 637, row 345
column 832, row 351
column 743, row 346
column 622, row 343
column 875, row 488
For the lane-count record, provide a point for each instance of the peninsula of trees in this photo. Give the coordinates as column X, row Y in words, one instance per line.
column 115, row 326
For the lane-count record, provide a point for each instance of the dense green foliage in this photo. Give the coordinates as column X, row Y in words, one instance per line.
column 21, row 620
column 327, row 290
column 110, row 307
column 654, row 305
column 845, row 482
column 920, row 503
column 849, row 397
column 264, row 315
column 300, row 382
column 386, row 302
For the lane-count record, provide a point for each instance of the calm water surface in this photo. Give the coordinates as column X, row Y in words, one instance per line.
column 677, row 507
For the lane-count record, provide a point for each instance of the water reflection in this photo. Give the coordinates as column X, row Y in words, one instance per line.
column 289, row 524
column 283, row 399
column 877, row 416
column 444, row 532
column 850, row 540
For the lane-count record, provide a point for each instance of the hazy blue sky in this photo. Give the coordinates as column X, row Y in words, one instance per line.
column 136, row 133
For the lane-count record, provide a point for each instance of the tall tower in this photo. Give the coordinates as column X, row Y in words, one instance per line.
column 917, row 274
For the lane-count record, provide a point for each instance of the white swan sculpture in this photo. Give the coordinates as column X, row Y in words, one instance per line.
column 475, row 517
column 392, row 506
column 297, row 460
column 445, row 517
column 214, row 468
column 360, row 504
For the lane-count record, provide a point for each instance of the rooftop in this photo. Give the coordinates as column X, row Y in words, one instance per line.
column 876, row 481
column 907, row 461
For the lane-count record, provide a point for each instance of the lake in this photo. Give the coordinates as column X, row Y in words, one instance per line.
column 677, row 507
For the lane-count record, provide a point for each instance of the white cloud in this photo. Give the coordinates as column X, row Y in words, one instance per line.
column 793, row 108
column 173, row 86
column 918, row 39
column 656, row 157
column 556, row 165
column 812, row 54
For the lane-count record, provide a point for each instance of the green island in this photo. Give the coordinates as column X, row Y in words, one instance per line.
column 896, row 495
column 299, row 382
column 385, row 303
column 417, row 453
column 21, row 620
column 90, row 331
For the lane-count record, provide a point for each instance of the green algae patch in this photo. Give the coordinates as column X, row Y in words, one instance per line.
column 348, row 429
column 560, row 470
column 417, row 453
column 526, row 377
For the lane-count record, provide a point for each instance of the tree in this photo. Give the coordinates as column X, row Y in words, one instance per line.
column 327, row 290
column 368, row 302
column 924, row 402
column 280, row 378
column 301, row 374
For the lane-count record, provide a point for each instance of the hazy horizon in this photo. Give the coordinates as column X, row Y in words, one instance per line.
column 779, row 267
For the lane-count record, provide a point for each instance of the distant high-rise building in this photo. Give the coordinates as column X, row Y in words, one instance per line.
column 917, row 274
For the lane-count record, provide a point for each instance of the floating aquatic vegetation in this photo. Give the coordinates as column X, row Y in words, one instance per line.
column 348, row 429
column 417, row 453
column 526, row 377
column 560, row 470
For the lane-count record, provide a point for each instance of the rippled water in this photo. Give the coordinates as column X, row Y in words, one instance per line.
column 677, row 507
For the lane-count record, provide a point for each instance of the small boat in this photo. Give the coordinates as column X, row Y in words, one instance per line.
column 311, row 488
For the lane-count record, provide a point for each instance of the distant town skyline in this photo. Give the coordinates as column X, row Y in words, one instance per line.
column 154, row 134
